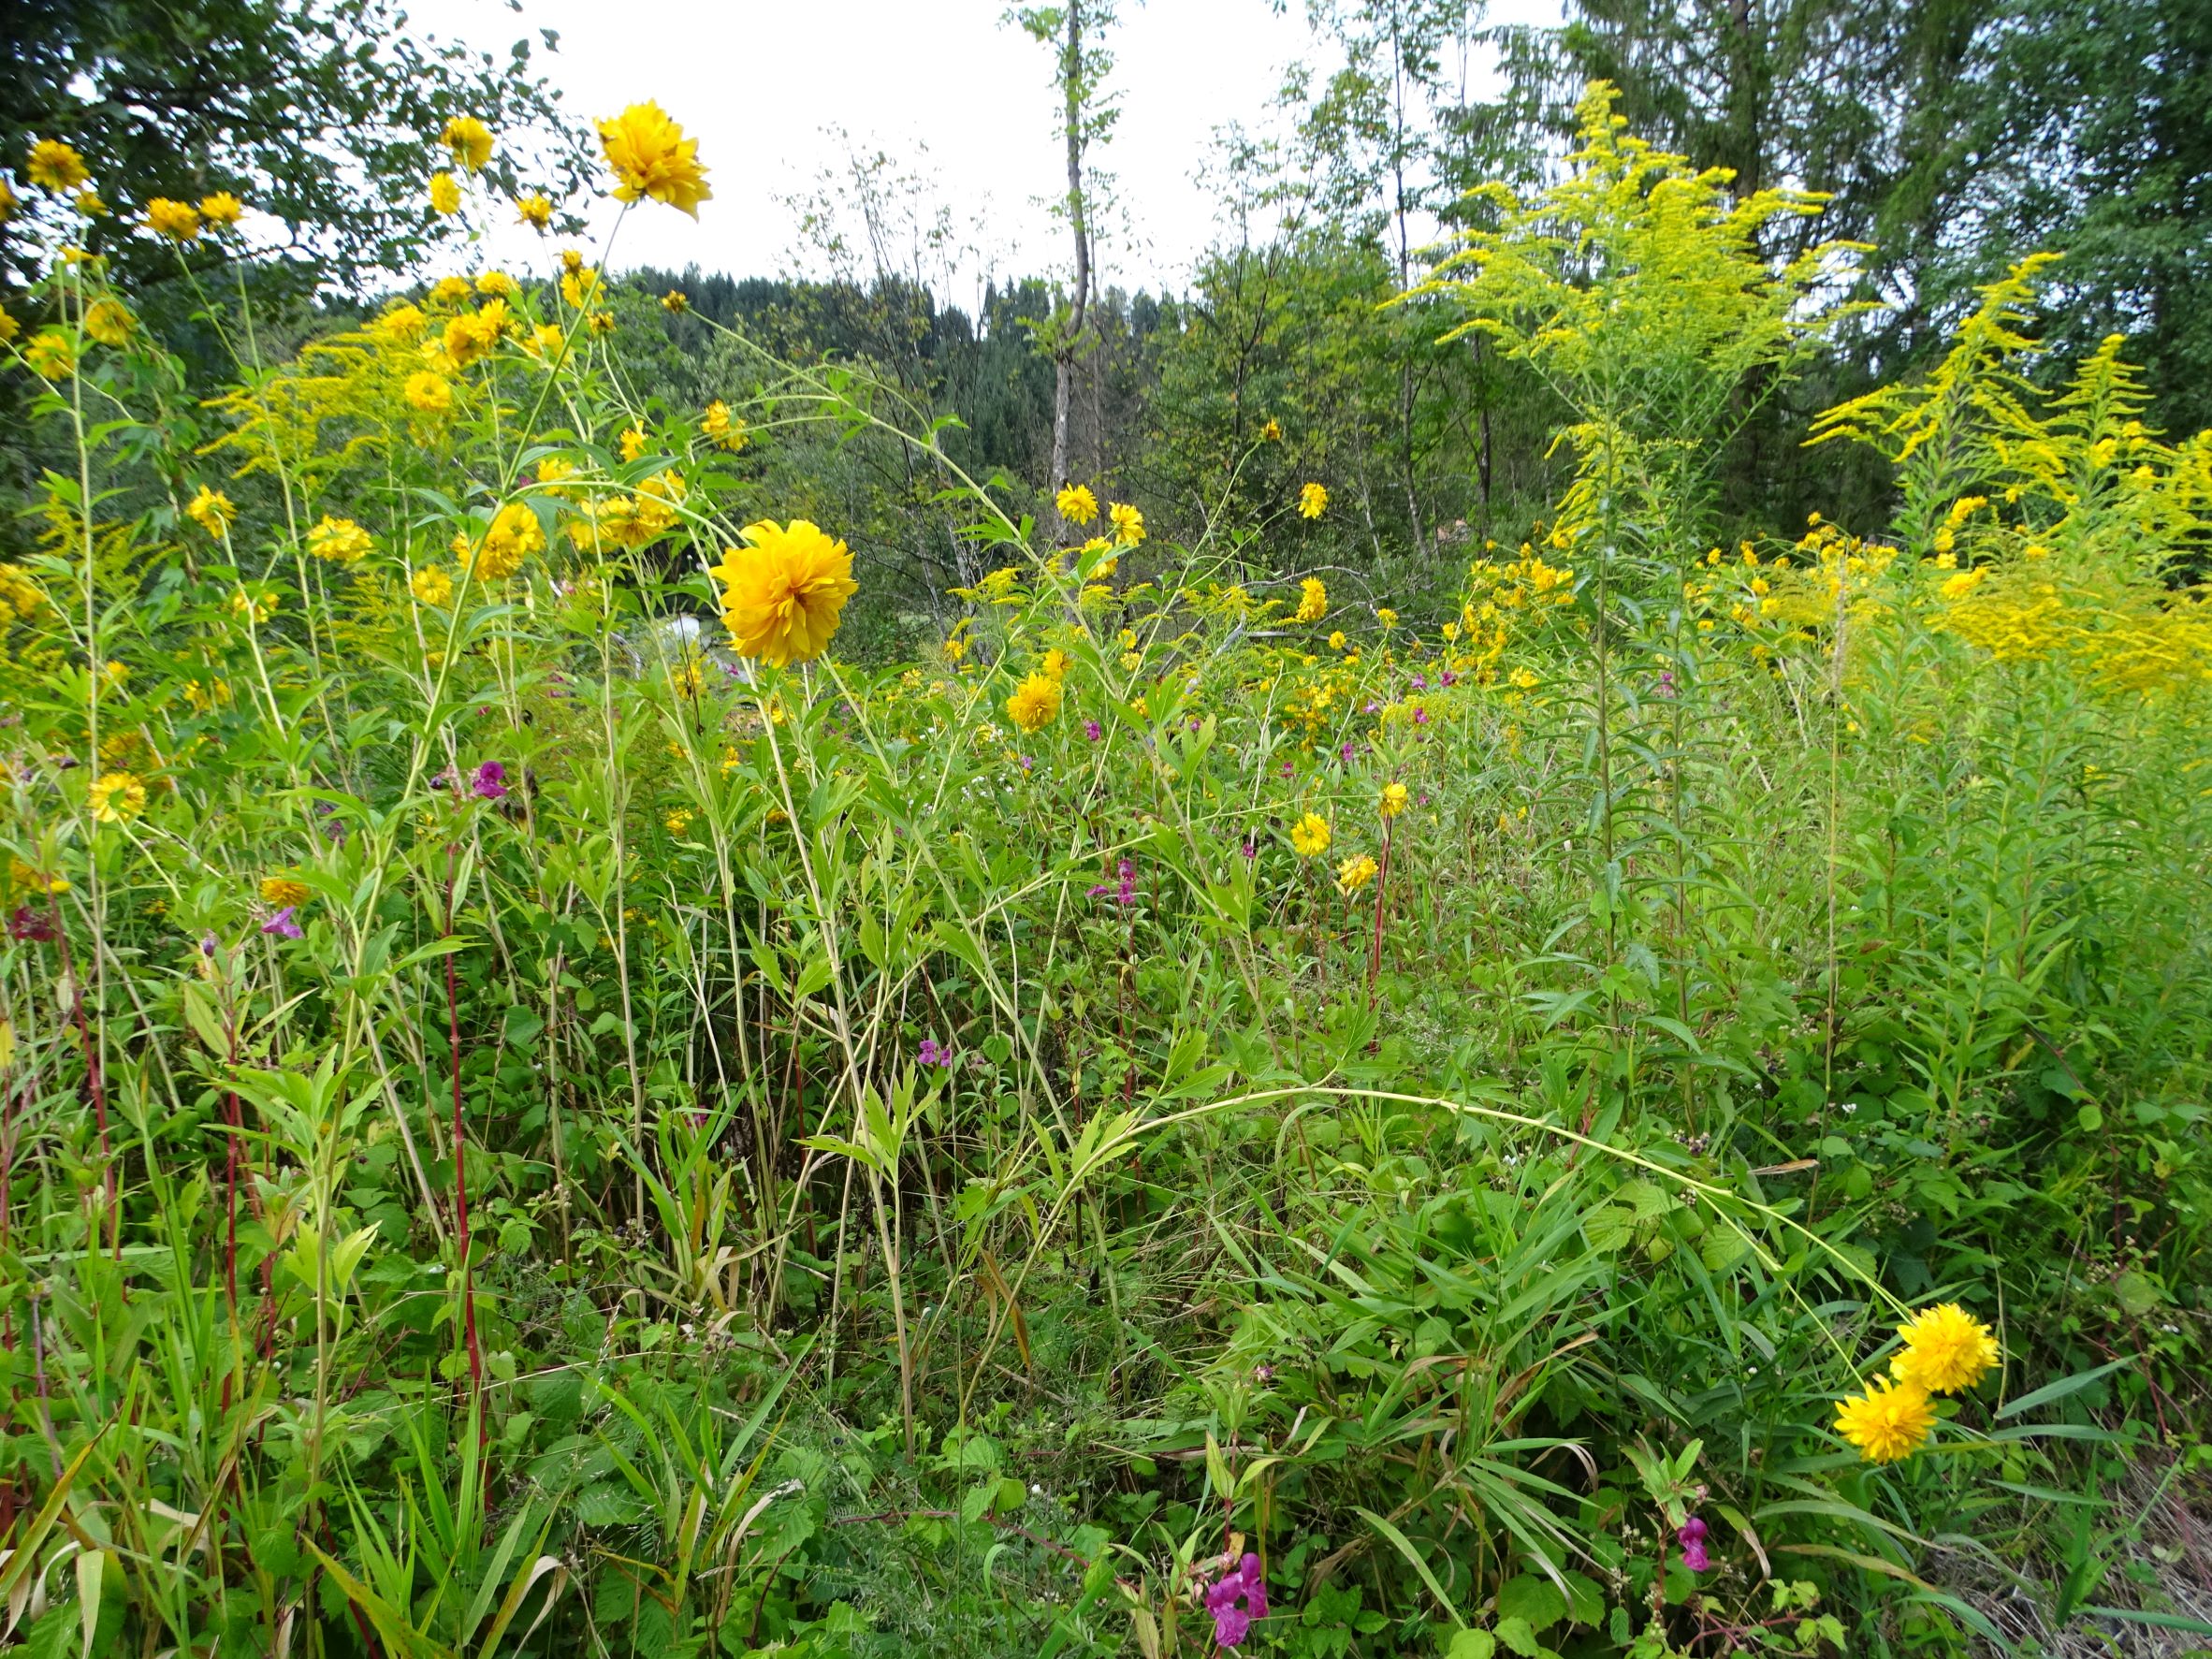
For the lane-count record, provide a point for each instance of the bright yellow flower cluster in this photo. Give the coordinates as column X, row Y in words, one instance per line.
column 652, row 157
column 783, row 591
column 1035, row 704
column 1945, row 1350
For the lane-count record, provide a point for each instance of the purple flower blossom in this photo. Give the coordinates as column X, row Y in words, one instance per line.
column 490, row 782
column 1666, row 683
column 1420, row 715
column 1372, row 707
column 1092, row 730
column 1127, row 892
column 1026, row 761
column 1448, row 677
column 1236, row 1599
column 1098, row 890
column 207, row 944
column 1693, row 1541
column 1251, row 848
column 31, row 927
column 282, row 926
column 1288, row 768
column 1346, row 753
column 932, row 1054
column 1420, row 683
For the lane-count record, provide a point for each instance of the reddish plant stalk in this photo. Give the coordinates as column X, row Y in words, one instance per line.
column 93, row 1075
column 1382, row 880
column 460, row 1176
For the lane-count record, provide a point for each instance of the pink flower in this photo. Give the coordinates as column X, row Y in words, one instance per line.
column 1235, row 1600
column 282, row 926
column 1091, row 730
column 931, row 1053
column 490, row 782
column 1693, row 1541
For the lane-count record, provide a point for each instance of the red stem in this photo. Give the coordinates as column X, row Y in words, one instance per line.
column 460, row 1178
column 92, row 1070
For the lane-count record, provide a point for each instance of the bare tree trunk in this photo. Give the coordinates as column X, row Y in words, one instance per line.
column 1070, row 344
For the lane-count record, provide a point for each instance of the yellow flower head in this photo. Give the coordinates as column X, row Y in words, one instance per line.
column 1128, row 524
column 1889, row 1421
column 1946, row 1349
column 432, row 585
column 177, row 220
column 1035, row 702
column 652, row 156
column 339, row 540
column 633, row 443
column 781, row 593
column 1312, row 600
column 429, row 392
column 473, row 334
column 221, row 210
column 1309, row 836
column 211, row 509
column 723, row 429
column 89, row 205
column 1956, row 588
column 401, row 325
column 1387, row 617
column 1338, row 641
column 1271, row 432
column 675, row 300
column 283, row 890
column 469, row 140
column 498, row 284
column 546, row 340
column 450, row 290
column 54, row 165
column 116, row 797
column 444, row 194
column 602, row 322
column 35, row 881
column 513, row 536
column 1354, row 873
column 1055, row 664
column 535, row 212
column 1312, row 501
column 8, row 204
column 108, row 322
column 1393, row 799
column 1076, row 502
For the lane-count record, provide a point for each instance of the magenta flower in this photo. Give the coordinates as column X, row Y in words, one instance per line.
column 1420, row 683
column 1127, row 894
column 1235, row 1600
column 932, row 1054
column 281, row 925
column 32, row 926
column 1092, row 730
column 490, row 783
column 1420, row 715
column 1448, row 677
column 1693, row 1541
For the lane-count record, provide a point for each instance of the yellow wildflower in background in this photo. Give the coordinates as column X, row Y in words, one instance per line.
column 212, row 510
column 1034, row 702
column 1338, row 641
column 339, row 540
column 1354, row 873
column 470, row 142
column 1387, row 617
column 1271, row 432
column 633, row 443
column 1128, row 524
column 283, row 890
column 1956, row 588
column 1312, row 600
column 108, row 322
column 1889, row 1421
column 432, row 585
column 1055, row 664
column 1946, row 1349
column 401, row 325
column 221, row 210
column 1312, row 501
column 676, row 300
column 116, row 797
column 1309, row 836
column 535, row 212
column 1076, row 502
column 178, row 221
column 450, row 290
column 54, row 165
column 652, row 156
column 546, row 340
column 444, row 194
column 1393, row 799
column 473, row 334
column 498, row 284
column 9, row 328
column 723, row 429
column 90, row 204
column 24, row 876
column 51, row 355
column 429, row 392
column 782, row 592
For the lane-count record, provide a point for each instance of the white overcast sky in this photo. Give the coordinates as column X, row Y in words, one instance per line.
column 759, row 81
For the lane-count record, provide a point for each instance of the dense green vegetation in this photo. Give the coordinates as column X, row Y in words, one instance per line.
column 1494, row 949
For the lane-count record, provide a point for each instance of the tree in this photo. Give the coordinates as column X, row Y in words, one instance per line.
column 1077, row 31
column 323, row 115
